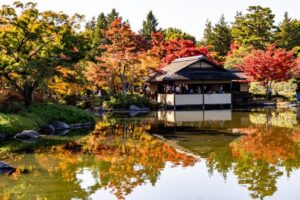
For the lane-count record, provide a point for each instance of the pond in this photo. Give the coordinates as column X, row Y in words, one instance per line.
column 197, row 155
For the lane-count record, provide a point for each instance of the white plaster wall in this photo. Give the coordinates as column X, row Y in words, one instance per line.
column 189, row 99
column 211, row 99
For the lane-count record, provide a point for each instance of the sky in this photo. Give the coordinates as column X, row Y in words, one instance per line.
column 188, row 15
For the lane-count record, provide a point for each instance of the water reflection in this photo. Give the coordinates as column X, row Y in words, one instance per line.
column 116, row 157
column 266, row 152
column 195, row 116
column 126, row 159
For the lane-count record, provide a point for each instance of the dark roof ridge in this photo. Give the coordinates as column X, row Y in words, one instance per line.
column 199, row 57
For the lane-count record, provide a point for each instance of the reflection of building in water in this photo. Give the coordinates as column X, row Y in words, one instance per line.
column 195, row 116
column 209, row 119
column 213, row 128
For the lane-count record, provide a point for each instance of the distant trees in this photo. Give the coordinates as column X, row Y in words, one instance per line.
column 256, row 28
column 94, row 30
column 218, row 37
column 208, row 35
column 51, row 50
column 288, row 33
column 150, row 25
column 112, row 16
column 175, row 33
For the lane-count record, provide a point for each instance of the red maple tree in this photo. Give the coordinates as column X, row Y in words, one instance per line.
column 270, row 65
column 169, row 50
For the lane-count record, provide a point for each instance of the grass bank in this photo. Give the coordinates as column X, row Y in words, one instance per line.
column 39, row 115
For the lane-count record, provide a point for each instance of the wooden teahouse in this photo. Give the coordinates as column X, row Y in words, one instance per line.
column 196, row 81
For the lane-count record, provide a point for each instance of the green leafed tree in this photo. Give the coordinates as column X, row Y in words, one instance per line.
column 256, row 28
column 33, row 43
column 112, row 16
column 234, row 59
column 175, row 33
column 208, row 34
column 150, row 25
column 94, row 31
column 101, row 25
column 221, row 37
column 288, row 34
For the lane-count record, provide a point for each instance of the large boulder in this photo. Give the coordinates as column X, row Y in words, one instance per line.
column 27, row 135
column 6, row 169
column 134, row 108
column 58, row 126
column 48, row 129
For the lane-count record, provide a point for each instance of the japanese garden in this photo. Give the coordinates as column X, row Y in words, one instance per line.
column 91, row 108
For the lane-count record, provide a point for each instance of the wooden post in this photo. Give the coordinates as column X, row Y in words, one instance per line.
column 174, row 106
column 203, row 103
column 231, row 94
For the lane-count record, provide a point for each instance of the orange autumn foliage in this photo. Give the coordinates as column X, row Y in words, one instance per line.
column 270, row 145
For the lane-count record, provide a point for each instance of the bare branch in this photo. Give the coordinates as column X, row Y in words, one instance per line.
column 40, row 48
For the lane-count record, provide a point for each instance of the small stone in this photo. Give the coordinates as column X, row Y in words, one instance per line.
column 60, row 126
column 134, row 108
column 27, row 135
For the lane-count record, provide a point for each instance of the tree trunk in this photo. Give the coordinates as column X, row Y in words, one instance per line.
column 123, row 80
column 28, row 94
column 268, row 92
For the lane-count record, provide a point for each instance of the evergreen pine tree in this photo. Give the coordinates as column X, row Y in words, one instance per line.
column 112, row 16
column 256, row 28
column 149, row 26
column 288, row 35
column 208, row 34
column 221, row 39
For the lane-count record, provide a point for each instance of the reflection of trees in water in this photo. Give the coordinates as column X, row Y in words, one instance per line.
column 38, row 184
column 286, row 118
column 121, row 156
column 258, row 176
column 259, row 158
column 220, row 161
column 269, row 144
column 134, row 157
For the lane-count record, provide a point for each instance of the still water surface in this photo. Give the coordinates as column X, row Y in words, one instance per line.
column 165, row 155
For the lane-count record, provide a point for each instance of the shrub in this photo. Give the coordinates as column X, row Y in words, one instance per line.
column 283, row 89
column 46, row 113
column 11, row 123
column 39, row 115
column 124, row 101
column 10, row 101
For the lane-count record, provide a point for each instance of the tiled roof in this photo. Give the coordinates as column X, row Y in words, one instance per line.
column 176, row 71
